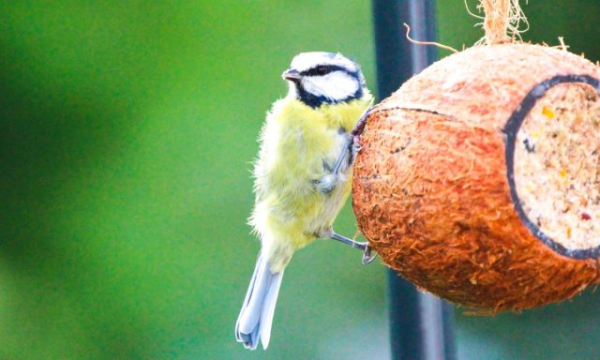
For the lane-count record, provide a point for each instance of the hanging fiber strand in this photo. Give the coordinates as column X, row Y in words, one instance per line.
column 502, row 21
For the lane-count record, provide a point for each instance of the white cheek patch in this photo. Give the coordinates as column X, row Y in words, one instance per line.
column 336, row 86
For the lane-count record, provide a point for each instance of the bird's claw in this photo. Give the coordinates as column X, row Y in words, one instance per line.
column 354, row 148
column 368, row 256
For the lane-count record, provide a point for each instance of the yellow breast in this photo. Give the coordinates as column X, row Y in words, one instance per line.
column 299, row 145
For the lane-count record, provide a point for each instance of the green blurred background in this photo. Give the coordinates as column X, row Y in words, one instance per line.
column 128, row 129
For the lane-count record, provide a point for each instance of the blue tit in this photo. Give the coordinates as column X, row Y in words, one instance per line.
column 302, row 175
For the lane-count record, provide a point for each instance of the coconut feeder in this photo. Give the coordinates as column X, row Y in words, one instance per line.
column 479, row 179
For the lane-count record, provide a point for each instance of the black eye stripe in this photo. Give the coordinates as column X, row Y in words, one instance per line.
column 315, row 100
column 324, row 69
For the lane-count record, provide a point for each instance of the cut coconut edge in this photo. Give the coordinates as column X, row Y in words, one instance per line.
column 553, row 159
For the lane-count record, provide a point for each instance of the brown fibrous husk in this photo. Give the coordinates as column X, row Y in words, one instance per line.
column 430, row 189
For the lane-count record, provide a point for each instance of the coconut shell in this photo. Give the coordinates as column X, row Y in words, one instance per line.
column 431, row 188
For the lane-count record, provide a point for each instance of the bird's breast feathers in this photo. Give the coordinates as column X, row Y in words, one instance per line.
column 299, row 145
column 299, row 142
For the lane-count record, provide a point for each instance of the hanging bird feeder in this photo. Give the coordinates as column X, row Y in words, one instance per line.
column 479, row 179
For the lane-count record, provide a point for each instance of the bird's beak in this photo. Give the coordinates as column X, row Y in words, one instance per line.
column 291, row 75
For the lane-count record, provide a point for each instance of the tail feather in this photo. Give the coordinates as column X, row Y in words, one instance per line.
column 256, row 316
column 266, row 318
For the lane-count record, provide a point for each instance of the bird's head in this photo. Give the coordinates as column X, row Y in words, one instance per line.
column 318, row 78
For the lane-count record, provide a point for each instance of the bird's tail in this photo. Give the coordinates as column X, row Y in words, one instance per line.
column 257, row 312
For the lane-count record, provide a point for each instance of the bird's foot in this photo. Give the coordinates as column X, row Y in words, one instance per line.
column 368, row 255
column 367, row 258
column 354, row 148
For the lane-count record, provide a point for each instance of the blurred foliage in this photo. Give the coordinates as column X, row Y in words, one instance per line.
column 128, row 129
column 127, row 135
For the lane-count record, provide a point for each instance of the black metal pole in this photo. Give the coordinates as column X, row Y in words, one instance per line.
column 421, row 325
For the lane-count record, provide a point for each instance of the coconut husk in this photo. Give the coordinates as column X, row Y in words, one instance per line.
column 431, row 189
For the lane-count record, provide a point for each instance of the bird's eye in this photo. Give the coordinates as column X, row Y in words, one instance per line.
column 321, row 70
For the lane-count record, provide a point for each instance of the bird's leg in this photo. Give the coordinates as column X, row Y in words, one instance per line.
column 367, row 258
column 355, row 134
column 329, row 181
column 352, row 145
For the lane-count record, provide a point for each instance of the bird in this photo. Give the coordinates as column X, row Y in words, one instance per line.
column 302, row 176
